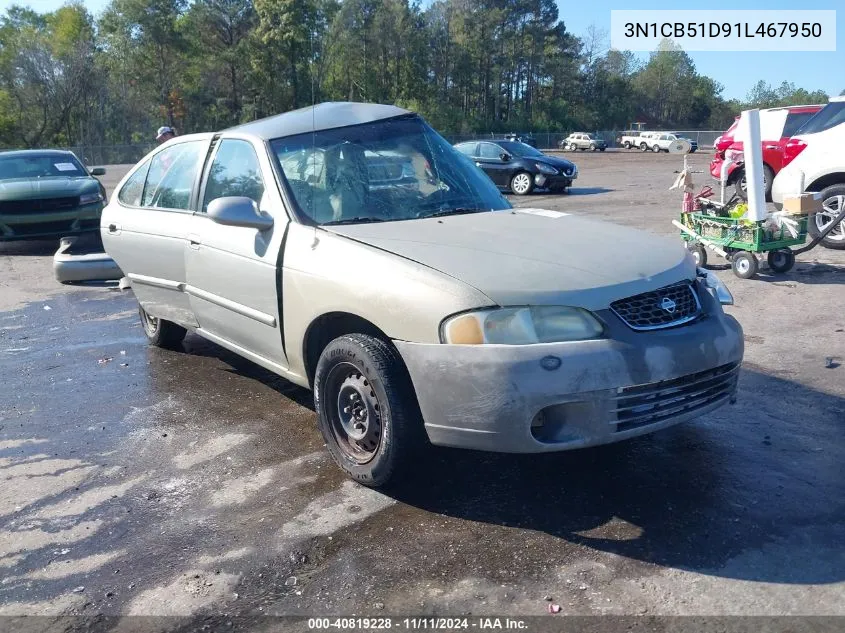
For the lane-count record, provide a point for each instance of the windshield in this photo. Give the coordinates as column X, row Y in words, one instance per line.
column 831, row 115
column 521, row 149
column 395, row 169
column 40, row 166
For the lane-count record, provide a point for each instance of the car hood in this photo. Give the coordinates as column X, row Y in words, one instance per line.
column 534, row 256
column 554, row 161
column 57, row 187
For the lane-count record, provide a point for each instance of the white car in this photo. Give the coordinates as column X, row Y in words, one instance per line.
column 663, row 141
column 814, row 161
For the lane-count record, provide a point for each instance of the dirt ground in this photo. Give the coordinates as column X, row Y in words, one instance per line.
column 142, row 481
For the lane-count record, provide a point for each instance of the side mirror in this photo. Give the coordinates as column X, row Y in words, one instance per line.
column 505, row 157
column 98, row 171
column 238, row 211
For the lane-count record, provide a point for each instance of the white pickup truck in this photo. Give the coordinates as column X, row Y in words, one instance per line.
column 630, row 138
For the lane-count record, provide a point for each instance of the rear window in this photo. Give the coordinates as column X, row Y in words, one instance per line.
column 830, row 116
column 795, row 120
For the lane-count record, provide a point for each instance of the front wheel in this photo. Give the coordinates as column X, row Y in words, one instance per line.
column 366, row 408
column 161, row 333
column 744, row 264
column 833, row 203
column 655, row 148
column 781, row 260
column 592, row 147
column 522, row 184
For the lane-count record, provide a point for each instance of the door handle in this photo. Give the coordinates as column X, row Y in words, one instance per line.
column 194, row 241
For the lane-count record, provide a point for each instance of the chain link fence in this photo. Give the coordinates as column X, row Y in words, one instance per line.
column 552, row 140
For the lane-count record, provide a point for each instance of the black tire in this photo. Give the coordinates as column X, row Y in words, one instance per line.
column 744, row 264
column 643, row 147
column 593, row 147
column 627, row 145
column 160, row 332
column 699, row 252
column 833, row 201
column 385, row 412
column 655, row 148
column 768, row 178
column 781, row 260
column 601, row 149
column 518, row 183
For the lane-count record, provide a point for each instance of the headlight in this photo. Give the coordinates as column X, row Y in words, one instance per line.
column 545, row 169
column 521, row 326
column 716, row 287
column 90, row 198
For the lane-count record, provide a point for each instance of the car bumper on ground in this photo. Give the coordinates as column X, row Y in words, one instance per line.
column 23, row 226
column 552, row 397
column 74, row 262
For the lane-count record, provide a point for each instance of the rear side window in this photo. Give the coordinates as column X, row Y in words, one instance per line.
column 133, row 188
column 234, row 172
column 795, row 120
column 831, row 115
column 172, row 174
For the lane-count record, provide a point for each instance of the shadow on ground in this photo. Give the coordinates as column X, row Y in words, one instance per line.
column 144, row 481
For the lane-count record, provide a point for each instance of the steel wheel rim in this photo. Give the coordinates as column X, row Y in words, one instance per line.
column 743, row 265
column 149, row 322
column 779, row 259
column 354, row 413
column 521, row 182
column 831, row 208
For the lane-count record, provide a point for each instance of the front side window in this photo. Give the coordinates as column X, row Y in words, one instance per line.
column 394, row 169
column 133, row 188
column 234, row 172
column 489, row 151
column 172, row 174
column 521, row 149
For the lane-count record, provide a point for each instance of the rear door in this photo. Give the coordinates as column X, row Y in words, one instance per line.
column 145, row 229
column 232, row 273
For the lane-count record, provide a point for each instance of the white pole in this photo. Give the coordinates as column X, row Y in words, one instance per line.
column 753, row 155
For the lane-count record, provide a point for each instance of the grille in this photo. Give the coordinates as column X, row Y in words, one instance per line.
column 665, row 307
column 20, row 207
column 658, row 401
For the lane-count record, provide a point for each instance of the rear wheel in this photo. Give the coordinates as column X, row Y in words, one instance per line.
column 741, row 186
column 522, row 184
column 366, row 408
column 160, row 332
column 833, row 202
column 781, row 261
column 592, row 147
column 698, row 252
column 627, row 145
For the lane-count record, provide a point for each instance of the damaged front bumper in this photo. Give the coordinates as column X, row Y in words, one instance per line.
column 559, row 396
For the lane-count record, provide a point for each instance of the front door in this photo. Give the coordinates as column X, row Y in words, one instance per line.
column 146, row 230
column 233, row 279
column 490, row 159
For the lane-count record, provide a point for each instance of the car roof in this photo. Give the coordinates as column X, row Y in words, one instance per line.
column 323, row 116
column 37, row 152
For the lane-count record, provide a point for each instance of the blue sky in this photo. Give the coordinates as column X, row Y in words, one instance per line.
column 737, row 72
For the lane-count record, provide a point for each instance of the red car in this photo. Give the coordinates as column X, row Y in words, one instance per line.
column 777, row 125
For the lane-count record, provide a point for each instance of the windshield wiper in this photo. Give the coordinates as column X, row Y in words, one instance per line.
column 456, row 211
column 359, row 220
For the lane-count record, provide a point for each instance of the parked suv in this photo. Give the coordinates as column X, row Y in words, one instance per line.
column 814, row 160
column 776, row 126
column 663, row 142
column 583, row 141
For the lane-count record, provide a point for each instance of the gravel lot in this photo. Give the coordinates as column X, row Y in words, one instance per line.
column 141, row 481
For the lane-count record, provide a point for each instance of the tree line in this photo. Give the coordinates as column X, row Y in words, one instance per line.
column 468, row 66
